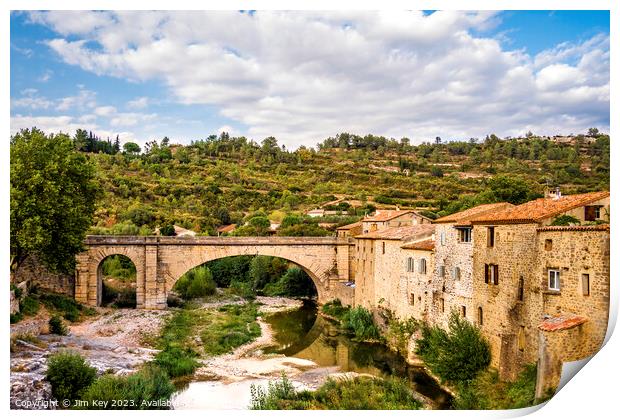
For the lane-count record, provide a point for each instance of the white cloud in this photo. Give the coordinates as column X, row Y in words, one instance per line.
column 30, row 99
column 138, row 103
column 46, row 76
column 302, row 76
column 84, row 99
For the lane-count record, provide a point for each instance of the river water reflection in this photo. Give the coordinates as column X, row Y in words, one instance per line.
column 303, row 334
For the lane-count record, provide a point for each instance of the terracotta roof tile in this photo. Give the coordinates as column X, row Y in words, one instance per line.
column 385, row 215
column 464, row 217
column 581, row 228
column 540, row 209
column 425, row 245
column 226, row 228
column 350, row 226
column 562, row 322
column 401, row 232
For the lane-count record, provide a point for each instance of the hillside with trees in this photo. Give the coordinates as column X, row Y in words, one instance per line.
column 223, row 180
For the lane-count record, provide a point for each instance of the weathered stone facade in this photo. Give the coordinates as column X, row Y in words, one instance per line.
column 161, row 261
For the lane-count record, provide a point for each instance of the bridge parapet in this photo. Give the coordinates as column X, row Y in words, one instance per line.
column 161, row 260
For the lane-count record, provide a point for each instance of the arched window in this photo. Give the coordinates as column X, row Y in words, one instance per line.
column 480, row 315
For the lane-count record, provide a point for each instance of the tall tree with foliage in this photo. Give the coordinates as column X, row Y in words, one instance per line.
column 53, row 194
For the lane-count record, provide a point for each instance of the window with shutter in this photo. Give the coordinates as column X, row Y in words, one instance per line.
column 486, row 273
column 422, row 266
column 495, row 274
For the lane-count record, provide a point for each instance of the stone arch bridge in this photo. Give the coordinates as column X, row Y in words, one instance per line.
column 161, row 261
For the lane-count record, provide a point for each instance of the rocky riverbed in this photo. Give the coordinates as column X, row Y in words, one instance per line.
column 115, row 341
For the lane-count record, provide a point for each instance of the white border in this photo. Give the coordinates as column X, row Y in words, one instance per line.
column 591, row 395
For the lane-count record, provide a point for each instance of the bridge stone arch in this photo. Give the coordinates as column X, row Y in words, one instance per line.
column 161, row 261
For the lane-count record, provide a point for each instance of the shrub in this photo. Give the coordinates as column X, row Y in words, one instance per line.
column 70, row 309
column 16, row 317
column 565, row 220
column 360, row 393
column 295, row 282
column 29, row 306
column 196, row 283
column 146, row 389
column 69, row 374
column 359, row 322
column 177, row 361
column 56, row 326
column 334, row 308
column 457, row 354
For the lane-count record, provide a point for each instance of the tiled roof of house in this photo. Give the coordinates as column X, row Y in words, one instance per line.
column 562, row 322
column 385, row 215
column 350, row 226
column 401, row 232
column 540, row 209
column 226, row 228
column 425, row 245
column 581, row 228
column 463, row 218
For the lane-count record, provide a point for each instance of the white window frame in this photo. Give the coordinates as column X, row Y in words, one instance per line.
column 465, row 232
column 555, row 278
column 456, row 273
column 442, row 237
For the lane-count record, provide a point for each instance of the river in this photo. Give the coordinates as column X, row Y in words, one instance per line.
column 303, row 334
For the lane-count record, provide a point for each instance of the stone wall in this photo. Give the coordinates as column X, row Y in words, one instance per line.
column 455, row 293
column 577, row 253
column 32, row 271
column 509, row 323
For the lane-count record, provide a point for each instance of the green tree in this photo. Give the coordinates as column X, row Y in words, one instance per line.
column 53, row 195
column 131, row 148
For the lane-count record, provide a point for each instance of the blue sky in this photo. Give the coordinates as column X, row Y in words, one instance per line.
column 303, row 76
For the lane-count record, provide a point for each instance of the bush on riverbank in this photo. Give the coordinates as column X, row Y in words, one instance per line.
column 148, row 389
column 488, row 392
column 69, row 374
column 177, row 361
column 335, row 309
column 56, row 326
column 359, row 322
column 359, row 393
column 456, row 355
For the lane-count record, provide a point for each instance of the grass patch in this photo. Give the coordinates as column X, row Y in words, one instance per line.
column 230, row 327
column 220, row 331
column 29, row 306
column 360, row 393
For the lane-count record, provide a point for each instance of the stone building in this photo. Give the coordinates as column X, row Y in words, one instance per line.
column 452, row 288
column 386, row 273
column 539, row 293
column 526, row 272
column 384, row 219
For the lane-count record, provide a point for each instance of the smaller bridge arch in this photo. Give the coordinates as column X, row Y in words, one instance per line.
column 161, row 261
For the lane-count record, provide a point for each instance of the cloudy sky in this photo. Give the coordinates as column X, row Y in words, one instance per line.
column 304, row 76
